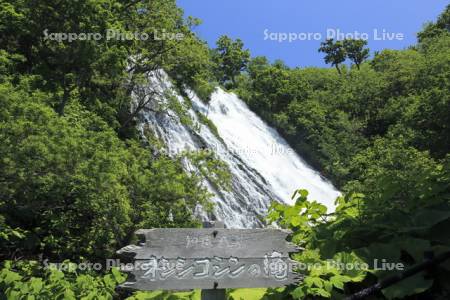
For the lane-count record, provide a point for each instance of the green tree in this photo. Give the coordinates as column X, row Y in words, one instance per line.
column 102, row 72
column 230, row 58
column 87, row 67
column 75, row 188
column 256, row 65
column 355, row 51
column 435, row 29
column 334, row 53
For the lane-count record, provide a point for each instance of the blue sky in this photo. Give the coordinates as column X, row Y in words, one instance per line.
column 258, row 22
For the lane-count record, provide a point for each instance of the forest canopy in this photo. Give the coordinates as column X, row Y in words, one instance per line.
column 379, row 128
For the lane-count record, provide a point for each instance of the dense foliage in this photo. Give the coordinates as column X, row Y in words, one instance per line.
column 400, row 95
column 31, row 282
column 76, row 179
column 380, row 131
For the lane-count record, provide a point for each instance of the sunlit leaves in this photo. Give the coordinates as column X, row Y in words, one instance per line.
column 56, row 284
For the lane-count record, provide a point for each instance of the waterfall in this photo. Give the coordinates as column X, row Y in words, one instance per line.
column 263, row 166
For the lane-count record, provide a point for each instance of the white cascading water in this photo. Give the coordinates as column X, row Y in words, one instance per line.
column 263, row 166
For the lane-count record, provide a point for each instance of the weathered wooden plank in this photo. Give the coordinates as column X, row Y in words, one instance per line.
column 209, row 242
column 211, row 273
column 210, row 259
column 215, row 293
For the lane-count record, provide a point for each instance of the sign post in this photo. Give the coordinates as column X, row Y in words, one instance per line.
column 211, row 258
column 214, row 294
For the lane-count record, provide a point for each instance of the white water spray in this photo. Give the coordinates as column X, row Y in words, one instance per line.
column 263, row 166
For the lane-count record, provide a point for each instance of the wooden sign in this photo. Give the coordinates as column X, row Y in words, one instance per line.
column 210, row 258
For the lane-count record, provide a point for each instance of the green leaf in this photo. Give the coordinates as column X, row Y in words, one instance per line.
column 298, row 293
column 321, row 292
column 8, row 277
column 409, row 286
column 415, row 247
column 337, row 282
column 328, row 285
column 304, row 193
column 36, row 285
column 119, row 277
column 312, row 281
column 296, row 221
column 426, row 218
column 351, row 266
